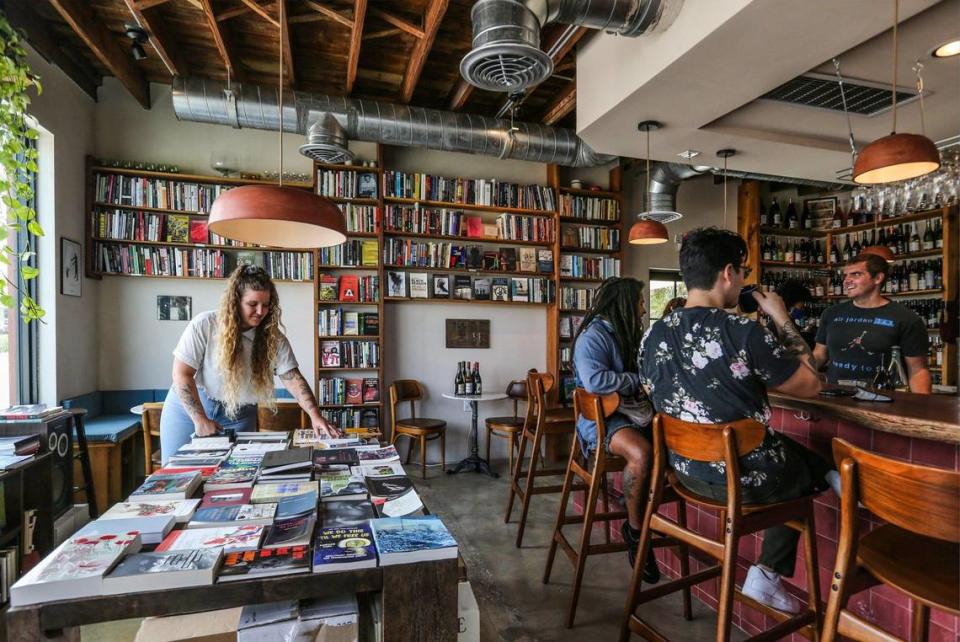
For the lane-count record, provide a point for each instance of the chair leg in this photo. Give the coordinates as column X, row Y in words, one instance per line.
column 489, row 438
column 515, row 476
column 605, row 498
column 643, row 549
column 443, row 451
column 423, row 456
column 409, row 449
column 683, row 551
column 588, row 512
column 727, row 578
column 919, row 622
column 531, row 484
column 561, row 514
column 813, row 577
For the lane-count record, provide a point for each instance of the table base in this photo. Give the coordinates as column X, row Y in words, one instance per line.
column 474, row 464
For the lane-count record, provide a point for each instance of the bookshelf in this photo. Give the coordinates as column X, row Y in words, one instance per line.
column 940, row 263
column 588, row 249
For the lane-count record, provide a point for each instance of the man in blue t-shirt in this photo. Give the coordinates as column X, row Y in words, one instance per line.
column 856, row 337
column 702, row 364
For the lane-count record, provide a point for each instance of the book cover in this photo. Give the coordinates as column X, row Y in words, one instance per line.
column 393, row 496
column 165, row 570
column 545, row 261
column 379, row 470
column 366, row 185
column 396, row 284
column 500, row 289
column 351, row 323
column 327, row 288
column 265, row 562
column 172, row 486
column 370, row 324
column 232, row 476
column 441, row 286
column 152, row 529
column 528, row 259
column 346, row 512
column 349, row 288
column 341, row 486
column 335, row 456
column 404, row 540
column 292, row 459
column 474, row 255
column 257, row 513
column 491, row 260
column 338, row 548
column 198, row 231
column 264, row 493
column 520, row 289
column 181, row 510
column 481, row 289
column 354, row 391
column 250, row 257
column 178, row 228
column 296, row 505
column 291, row 531
column 462, row 287
column 418, row 285
column 368, row 253
column 371, row 390
column 474, row 226
column 490, row 231
column 240, row 537
column 203, row 517
column 508, row 259
column 378, row 455
column 197, row 460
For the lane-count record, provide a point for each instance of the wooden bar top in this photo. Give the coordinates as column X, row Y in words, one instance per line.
column 935, row 417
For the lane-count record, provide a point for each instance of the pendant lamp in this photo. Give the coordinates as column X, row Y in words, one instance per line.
column 647, row 231
column 275, row 215
column 896, row 157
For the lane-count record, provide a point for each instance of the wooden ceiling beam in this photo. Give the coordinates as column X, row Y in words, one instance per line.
column 421, row 49
column 171, row 58
column 564, row 103
column 461, row 93
column 330, row 13
column 147, row 4
column 219, row 38
column 383, row 33
column 104, row 45
column 356, row 35
column 262, row 12
column 399, row 23
column 285, row 43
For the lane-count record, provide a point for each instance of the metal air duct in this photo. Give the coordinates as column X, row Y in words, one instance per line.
column 662, row 186
column 206, row 101
column 506, row 54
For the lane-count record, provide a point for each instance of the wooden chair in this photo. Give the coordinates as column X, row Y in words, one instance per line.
column 917, row 552
column 413, row 427
column 540, row 422
column 508, row 427
column 150, row 425
column 287, row 416
column 591, row 468
column 713, row 442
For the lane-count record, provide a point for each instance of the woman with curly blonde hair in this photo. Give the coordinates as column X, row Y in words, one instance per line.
column 225, row 362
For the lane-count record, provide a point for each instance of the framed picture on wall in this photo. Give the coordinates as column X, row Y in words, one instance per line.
column 174, row 308
column 71, row 266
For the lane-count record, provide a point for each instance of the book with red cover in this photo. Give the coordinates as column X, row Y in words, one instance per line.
column 371, row 390
column 198, row 232
column 232, row 497
column 354, row 391
column 265, row 562
column 349, row 287
column 474, row 226
column 205, row 471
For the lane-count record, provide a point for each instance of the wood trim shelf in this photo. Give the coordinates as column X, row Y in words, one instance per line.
column 360, row 169
column 323, row 267
column 396, row 200
column 363, row 235
column 575, row 310
column 780, row 231
column 462, row 270
column 587, row 250
column 209, row 246
column 595, row 193
column 369, row 303
column 351, row 201
column 195, row 178
column 368, row 404
column 895, row 220
column 346, row 369
column 472, row 239
column 576, row 220
column 914, row 293
column 144, row 208
column 471, row 301
column 583, row 279
column 785, row 264
column 195, row 278
column 349, row 337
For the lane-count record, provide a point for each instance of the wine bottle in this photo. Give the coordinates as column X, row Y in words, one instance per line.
column 793, row 221
column 776, row 218
column 914, row 277
column 938, row 235
column 764, row 216
column 914, row 245
column 477, row 381
column 468, row 381
column 766, row 249
column 460, row 382
column 928, row 240
column 847, row 250
column 834, row 253
column 806, row 220
column 789, row 254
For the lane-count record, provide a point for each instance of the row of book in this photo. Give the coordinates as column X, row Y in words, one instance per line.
column 473, row 191
column 569, row 325
column 410, row 253
column 592, row 208
column 346, row 184
column 9, row 570
column 132, row 225
column 285, row 266
column 334, row 322
column 353, row 418
column 417, row 285
column 159, row 261
column 336, row 391
column 588, row 267
column 364, row 219
column 352, row 253
column 576, row 298
column 447, row 222
column 590, row 237
column 348, row 288
column 117, row 189
column 349, row 354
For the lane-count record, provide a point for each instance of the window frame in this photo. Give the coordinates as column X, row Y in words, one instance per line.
column 663, row 274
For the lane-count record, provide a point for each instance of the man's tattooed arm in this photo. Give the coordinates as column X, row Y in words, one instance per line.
column 792, row 340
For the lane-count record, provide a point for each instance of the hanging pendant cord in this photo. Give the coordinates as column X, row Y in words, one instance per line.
column 893, row 89
column 724, row 192
column 646, row 192
column 919, row 69
column 280, row 78
column 843, row 99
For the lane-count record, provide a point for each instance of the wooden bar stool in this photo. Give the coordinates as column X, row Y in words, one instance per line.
column 508, row 427
column 713, row 442
column 421, row 429
column 917, row 552
column 150, row 424
column 539, row 423
column 591, row 468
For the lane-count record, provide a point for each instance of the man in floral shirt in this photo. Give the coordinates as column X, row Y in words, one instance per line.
column 701, row 364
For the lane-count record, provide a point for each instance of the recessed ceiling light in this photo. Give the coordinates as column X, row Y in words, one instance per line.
column 947, row 50
column 688, row 154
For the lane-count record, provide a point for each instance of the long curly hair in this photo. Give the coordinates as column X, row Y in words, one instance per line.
column 230, row 344
column 616, row 300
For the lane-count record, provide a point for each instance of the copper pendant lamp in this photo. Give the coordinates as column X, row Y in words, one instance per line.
column 896, row 157
column 647, row 231
column 275, row 215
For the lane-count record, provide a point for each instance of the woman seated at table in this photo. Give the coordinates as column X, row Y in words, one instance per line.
column 224, row 363
column 605, row 352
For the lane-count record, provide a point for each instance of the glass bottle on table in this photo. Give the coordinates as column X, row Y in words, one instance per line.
column 477, row 381
column 468, row 381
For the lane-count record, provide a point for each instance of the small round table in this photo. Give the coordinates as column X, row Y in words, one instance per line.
column 474, row 462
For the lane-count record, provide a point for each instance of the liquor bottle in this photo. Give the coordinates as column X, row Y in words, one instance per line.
column 896, row 375
column 839, row 218
column 847, row 250
column 929, row 278
column 914, row 277
column 477, row 381
column 855, row 250
column 468, row 381
column 793, row 220
column 806, row 220
column 776, row 218
column 460, row 382
column 764, row 216
column 788, row 255
column 938, row 346
column 834, row 253
column 837, row 284
column 938, row 235
column 780, row 252
column 819, row 258
column 928, row 240
column 881, row 379
column 901, row 240
column 818, row 290
column 938, row 274
column 914, row 244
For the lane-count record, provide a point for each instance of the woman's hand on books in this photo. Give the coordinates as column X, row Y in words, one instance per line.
column 206, row 427
column 323, row 430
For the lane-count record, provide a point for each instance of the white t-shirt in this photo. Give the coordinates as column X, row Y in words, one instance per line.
column 198, row 349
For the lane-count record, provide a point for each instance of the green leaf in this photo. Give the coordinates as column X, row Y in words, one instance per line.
column 26, row 256
column 29, row 272
column 7, row 300
column 35, row 228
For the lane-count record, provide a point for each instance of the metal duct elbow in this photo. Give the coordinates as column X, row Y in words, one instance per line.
column 664, row 181
column 624, row 17
column 327, row 141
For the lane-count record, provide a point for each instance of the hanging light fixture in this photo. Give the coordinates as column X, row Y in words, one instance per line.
column 896, row 157
column 725, row 153
column 275, row 215
column 647, row 231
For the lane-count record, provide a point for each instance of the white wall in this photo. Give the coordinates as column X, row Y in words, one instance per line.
column 68, row 341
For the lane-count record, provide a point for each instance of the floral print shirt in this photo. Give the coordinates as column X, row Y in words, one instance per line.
column 706, row 365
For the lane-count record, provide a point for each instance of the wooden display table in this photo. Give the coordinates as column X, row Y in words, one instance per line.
column 419, row 602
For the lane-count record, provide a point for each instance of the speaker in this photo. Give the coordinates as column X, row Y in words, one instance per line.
column 56, row 437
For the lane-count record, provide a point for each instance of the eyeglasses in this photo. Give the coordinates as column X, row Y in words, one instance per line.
column 747, row 271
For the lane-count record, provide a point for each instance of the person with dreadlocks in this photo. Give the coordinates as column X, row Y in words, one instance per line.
column 605, row 350
column 224, row 363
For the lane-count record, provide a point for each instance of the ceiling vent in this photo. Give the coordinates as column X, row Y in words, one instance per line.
column 821, row 91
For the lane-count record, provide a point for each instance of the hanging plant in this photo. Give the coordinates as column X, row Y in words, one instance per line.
column 17, row 157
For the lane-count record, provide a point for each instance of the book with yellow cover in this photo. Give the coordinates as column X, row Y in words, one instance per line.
column 368, row 253
column 178, row 228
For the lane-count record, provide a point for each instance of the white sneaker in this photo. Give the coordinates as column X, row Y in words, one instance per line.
column 833, row 478
column 767, row 588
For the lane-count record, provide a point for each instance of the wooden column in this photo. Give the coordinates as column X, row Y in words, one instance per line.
column 748, row 224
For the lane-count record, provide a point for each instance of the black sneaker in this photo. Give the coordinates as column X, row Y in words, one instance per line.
column 651, row 572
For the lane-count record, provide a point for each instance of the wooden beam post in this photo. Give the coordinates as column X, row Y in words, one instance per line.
column 461, row 94
column 399, row 23
column 284, row 25
column 104, row 46
column 418, row 57
column 262, row 12
column 219, row 37
column 171, row 58
column 356, row 35
column 563, row 104
column 330, row 13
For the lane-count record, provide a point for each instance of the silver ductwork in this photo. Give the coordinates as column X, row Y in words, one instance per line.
column 506, row 54
column 662, row 186
column 326, row 141
column 207, row 101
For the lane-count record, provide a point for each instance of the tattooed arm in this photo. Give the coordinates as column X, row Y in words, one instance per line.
column 805, row 382
column 186, row 388
column 294, row 382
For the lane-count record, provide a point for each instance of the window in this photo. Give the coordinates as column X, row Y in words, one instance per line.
column 664, row 286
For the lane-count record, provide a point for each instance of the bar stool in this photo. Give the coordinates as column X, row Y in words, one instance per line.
column 539, row 423
column 712, row 442
column 591, row 468
column 917, row 552
column 422, row 429
column 508, row 427
column 150, row 423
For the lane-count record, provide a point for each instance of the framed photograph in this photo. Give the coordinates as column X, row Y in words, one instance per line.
column 822, row 211
column 174, row 308
column 468, row 333
column 71, row 267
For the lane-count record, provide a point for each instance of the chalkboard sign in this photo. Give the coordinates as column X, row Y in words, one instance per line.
column 468, row 333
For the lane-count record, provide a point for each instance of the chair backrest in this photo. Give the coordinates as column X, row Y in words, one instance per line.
column 151, row 417
column 403, row 390
column 920, row 499
column 286, row 416
column 595, row 408
column 707, row 442
column 517, row 392
column 539, row 385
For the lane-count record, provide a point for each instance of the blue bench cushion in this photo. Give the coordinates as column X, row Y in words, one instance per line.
column 110, row 428
column 92, row 402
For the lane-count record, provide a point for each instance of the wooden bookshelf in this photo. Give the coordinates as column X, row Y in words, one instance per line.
column 470, row 301
column 493, row 209
column 466, row 239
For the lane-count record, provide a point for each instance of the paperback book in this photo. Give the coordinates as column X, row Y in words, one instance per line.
column 265, row 562
column 334, row 457
column 231, row 476
column 378, row 455
column 165, row 570
column 296, row 505
column 224, row 498
column 172, row 486
column 152, row 529
column 406, row 540
column 393, row 496
column 340, row 548
column 346, row 512
column 227, row 515
column 379, row 470
column 292, row 531
column 272, row 493
column 181, row 510
column 341, row 486
column 242, row 537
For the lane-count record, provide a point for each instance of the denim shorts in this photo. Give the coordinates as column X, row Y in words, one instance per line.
column 176, row 426
column 645, row 431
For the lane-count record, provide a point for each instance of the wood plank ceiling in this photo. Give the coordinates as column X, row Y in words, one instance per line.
column 402, row 51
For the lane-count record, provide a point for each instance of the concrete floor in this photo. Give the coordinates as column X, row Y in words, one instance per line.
column 514, row 603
